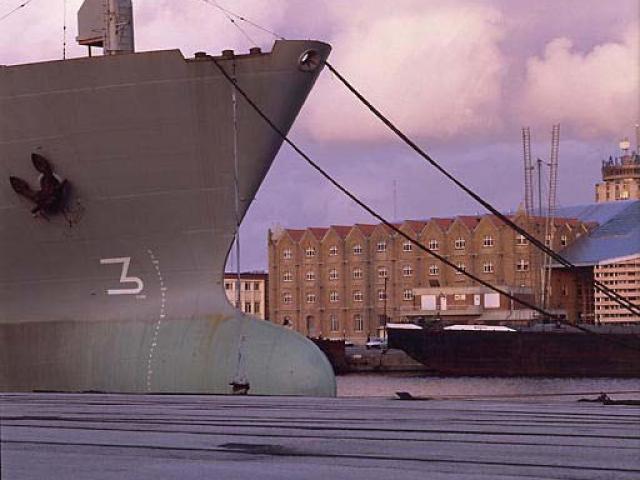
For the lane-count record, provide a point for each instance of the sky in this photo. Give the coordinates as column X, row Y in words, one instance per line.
column 461, row 77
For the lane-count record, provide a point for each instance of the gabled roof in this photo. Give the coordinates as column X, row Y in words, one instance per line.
column 295, row 234
column 318, row 232
column 494, row 219
column 415, row 225
column 341, row 230
column 571, row 216
column 443, row 223
column 365, row 228
column 380, row 226
column 470, row 221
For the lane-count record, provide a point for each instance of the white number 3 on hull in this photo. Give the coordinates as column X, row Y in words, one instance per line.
column 125, row 261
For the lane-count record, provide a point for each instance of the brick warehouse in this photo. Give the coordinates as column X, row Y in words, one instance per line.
column 347, row 281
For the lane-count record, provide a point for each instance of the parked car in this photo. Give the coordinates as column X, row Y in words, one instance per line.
column 376, row 343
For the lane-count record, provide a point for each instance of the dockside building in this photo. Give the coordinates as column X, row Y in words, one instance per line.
column 253, row 290
column 349, row 281
column 620, row 176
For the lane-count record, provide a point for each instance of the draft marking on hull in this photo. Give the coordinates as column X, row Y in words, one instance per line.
column 125, row 261
column 163, row 313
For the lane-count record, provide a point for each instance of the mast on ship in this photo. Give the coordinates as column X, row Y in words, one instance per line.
column 107, row 24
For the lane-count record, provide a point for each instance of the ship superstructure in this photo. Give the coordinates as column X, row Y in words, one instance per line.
column 120, row 288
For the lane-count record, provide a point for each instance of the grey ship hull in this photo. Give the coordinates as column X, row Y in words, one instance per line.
column 123, row 292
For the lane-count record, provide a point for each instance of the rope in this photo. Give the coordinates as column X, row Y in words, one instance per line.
column 15, row 9
column 628, row 305
column 231, row 16
column 613, row 295
column 229, row 13
column 388, row 224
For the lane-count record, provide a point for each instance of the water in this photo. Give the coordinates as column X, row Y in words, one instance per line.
column 385, row 385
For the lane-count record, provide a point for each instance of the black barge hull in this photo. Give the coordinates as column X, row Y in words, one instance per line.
column 532, row 354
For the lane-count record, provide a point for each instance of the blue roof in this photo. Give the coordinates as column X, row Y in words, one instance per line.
column 617, row 235
column 595, row 212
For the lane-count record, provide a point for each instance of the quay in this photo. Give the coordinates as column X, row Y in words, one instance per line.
column 99, row 436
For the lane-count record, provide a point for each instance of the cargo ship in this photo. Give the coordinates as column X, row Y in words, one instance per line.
column 125, row 177
column 545, row 350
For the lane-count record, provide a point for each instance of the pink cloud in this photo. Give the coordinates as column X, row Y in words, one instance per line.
column 594, row 93
column 435, row 69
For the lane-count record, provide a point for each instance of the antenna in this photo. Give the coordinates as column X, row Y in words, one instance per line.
column 637, row 139
column 528, row 171
column 549, row 230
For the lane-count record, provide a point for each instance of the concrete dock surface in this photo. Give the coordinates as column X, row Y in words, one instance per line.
column 97, row 436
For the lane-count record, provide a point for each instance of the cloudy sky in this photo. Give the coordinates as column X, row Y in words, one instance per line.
column 460, row 76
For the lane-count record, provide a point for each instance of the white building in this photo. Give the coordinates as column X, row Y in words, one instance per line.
column 622, row 275
column 253, row 292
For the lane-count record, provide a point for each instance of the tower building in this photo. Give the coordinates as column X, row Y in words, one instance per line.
column 620, row 176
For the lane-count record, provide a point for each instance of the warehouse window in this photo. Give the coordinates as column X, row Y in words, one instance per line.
column 333, row 323
column 358, row 323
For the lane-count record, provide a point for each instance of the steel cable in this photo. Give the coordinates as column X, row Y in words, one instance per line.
column 628, row 305
column 391, row 226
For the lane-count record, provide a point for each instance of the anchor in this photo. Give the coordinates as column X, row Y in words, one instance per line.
column 50, row 198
